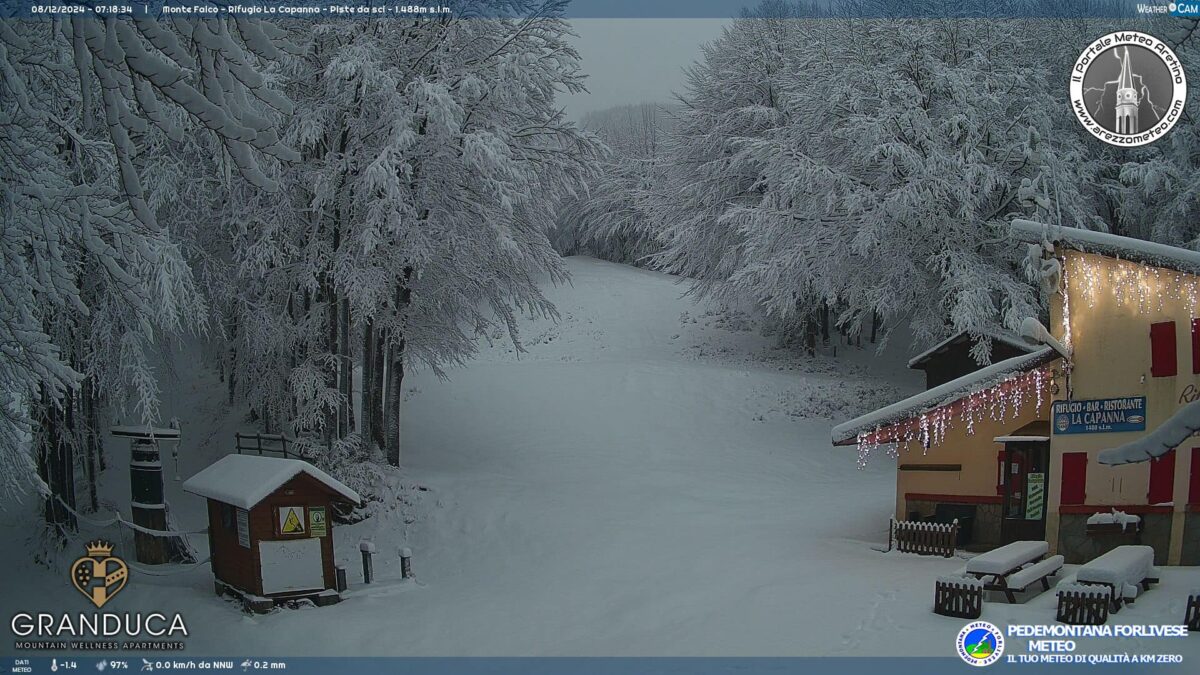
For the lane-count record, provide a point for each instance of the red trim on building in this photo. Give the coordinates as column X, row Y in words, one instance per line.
column 1195, row 346
column 1194, row 479
column 954, row 499
column 1162, row 479
column 1073, row 481
column 1107, row 508
column 1164, row 358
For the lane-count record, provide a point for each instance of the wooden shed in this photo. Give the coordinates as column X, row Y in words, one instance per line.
column 270, row 528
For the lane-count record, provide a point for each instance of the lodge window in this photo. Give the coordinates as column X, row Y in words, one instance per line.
column 1194, row 479
column 1163, row 357
column 1162, row 479
column 1074, row 478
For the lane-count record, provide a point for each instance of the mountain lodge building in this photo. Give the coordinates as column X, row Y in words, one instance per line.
column 1012, row 448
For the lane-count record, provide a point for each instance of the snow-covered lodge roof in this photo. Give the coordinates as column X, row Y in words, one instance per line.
column 1007, row 338
column 951, row 391
column 245, row 480
column 1116, row 246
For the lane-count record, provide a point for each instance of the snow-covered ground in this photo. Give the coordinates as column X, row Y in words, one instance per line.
column 651, row 478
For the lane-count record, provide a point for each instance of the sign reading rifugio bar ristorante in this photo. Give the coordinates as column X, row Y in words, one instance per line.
column 1102, row 415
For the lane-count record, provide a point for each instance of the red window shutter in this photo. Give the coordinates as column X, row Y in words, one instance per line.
column 1194, row 483
column 1163, row 358
column 1196, row 345
column 1000, row 457
column 1074, row 478
column 1162, row 479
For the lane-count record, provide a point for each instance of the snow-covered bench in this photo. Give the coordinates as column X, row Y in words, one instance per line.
column 1122, row 570
column 1014, row 567
column 1191, row 615
column 1081, row 604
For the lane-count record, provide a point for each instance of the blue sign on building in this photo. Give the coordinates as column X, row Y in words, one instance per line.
column 1098, row 416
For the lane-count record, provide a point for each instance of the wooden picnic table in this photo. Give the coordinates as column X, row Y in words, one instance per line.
column 1123, row 570
column 1014, row 567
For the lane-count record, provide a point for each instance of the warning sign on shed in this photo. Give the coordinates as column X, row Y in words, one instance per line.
column 291, row 520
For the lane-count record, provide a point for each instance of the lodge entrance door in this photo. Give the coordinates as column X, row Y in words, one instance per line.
column 1026, row 476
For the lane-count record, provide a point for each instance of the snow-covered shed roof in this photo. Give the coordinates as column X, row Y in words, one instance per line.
column 245, row 480
column 942, row 394
column 1007, row 338
column 1125, row 248
column 1177, row 429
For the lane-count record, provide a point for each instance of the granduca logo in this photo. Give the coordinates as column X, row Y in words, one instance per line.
column 99, row 575
column 1128, row 88
column 979, row 644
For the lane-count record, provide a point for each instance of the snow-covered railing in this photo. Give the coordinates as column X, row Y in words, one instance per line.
column 960, row 597
column 922, row 538
column 1114, row 521
column 1083, row 604
column 1191, row 616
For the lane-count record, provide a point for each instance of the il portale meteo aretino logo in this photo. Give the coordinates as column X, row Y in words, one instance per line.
column 979, row 643
column 1128, row 88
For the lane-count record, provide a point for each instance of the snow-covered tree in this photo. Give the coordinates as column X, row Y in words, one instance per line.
column 91, row 273
column 868, row 167
column 433, row 160
column 611, row 220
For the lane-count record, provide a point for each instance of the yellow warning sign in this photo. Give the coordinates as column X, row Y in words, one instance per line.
column 291, row 520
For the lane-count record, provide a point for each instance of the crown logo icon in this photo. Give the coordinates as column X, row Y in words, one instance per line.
column 98, row 548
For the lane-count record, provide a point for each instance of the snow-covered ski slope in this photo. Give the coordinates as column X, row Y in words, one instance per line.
column 650, row 478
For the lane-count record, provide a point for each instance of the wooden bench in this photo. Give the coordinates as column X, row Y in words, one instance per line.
column 1191, row 616
column 958, row 596
column 1081, row 604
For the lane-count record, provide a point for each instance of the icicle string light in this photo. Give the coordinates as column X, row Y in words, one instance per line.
column 1006, row 399
column 1131, row 284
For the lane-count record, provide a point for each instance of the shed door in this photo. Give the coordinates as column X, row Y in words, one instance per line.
column 291, row 565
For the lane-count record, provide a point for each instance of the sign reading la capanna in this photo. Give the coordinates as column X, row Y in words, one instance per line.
column 1102, row 415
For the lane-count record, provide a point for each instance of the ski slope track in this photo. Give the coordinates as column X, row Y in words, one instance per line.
column 652, row 477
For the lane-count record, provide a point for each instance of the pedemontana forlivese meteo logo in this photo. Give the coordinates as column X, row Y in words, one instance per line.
column 1128, row 88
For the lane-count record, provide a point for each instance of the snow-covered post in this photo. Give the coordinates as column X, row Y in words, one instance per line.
column 339, row 577
column 406, row 563
column 147, row 504
column 367, row 548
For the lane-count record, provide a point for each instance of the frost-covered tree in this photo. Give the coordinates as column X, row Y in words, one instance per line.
column 868, row 167
column 91, row 273
column 611, row 219
column 433, row 160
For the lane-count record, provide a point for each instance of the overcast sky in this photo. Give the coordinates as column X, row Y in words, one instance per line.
column 636, row 60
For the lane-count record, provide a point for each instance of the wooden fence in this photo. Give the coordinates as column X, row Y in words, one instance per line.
column 1192, row 616
column 274, row 445
column 1083, row 606
column 958, row 597
column 922, row 538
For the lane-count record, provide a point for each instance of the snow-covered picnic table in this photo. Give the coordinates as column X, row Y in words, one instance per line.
column 1007, row 558
column 1122, row 569
column 1014, row 567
